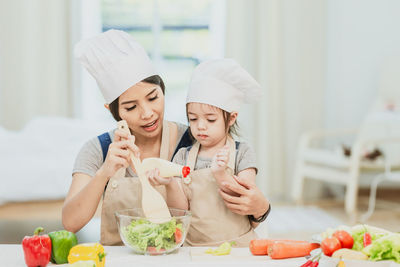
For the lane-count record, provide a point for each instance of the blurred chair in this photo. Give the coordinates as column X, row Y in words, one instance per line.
column 329, row 166
column 380, row 129
column 388, row 176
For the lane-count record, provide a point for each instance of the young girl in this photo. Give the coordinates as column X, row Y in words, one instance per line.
column 217, row 89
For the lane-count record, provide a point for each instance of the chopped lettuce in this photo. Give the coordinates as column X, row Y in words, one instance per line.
column 358, row 232
column 384, row 248
column 142, row 234
column 223, row 249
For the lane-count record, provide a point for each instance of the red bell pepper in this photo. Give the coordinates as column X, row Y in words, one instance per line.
column 37, row 249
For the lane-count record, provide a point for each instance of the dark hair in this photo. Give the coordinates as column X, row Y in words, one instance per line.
column 231, row 130
column 155, row 79
column 234, row 128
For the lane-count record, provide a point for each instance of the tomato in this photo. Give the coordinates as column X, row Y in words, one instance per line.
column 154, row 250
column 345, row 239
column 330, row 245
column 178, row 235
column 367, row 239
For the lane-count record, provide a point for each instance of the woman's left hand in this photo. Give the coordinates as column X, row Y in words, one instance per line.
column 155, row 179
column 250, row 200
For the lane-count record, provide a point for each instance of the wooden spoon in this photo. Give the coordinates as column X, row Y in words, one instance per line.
column 153, row 204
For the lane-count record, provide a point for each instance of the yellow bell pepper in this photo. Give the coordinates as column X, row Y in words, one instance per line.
column 88, row 251
column 341, row 264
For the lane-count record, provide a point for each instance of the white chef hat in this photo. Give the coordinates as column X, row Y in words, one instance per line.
column 115, row 60
column 222, row 83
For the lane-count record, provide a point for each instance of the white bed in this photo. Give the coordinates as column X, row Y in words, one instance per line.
column 36, row 162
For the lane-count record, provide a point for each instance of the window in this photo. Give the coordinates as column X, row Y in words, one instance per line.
column 176, row 34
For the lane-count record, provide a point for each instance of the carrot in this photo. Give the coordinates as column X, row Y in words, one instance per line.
column 260, row 246
column 283, row 250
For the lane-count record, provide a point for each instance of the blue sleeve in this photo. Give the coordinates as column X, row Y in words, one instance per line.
column 185, row 141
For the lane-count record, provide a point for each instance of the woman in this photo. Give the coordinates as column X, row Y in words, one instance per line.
column 135, row 93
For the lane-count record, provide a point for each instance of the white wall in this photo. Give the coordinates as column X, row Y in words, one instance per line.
column 361, row 34
column 34, row 60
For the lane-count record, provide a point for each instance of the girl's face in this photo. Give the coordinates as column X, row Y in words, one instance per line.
column 142, row 106
column 207, row 124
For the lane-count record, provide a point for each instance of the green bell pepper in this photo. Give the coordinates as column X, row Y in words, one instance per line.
column 61, row 243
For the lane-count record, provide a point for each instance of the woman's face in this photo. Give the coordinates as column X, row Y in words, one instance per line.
column 142, row 106
column 207, row 124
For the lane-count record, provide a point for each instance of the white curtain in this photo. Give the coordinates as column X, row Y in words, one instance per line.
column 282, row 44
column 35, row 60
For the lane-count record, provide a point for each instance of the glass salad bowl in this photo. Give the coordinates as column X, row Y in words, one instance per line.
column 149, row 238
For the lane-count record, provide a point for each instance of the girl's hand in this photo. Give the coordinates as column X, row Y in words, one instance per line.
column 220, row 161
column 155, row 178
column 118, row 155
column 250, row 201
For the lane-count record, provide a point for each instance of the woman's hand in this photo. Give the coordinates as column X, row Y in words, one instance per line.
column 220, row 161
column 118, row 155
column 250, row 201
column 155, row 179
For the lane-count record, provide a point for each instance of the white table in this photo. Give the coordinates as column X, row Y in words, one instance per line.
column 120, row 256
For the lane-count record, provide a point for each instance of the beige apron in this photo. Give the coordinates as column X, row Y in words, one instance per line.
column 125, row 192
column 212, row 222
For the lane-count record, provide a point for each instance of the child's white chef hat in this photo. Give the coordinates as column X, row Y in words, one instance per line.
column 115, row 60
column 222, row 83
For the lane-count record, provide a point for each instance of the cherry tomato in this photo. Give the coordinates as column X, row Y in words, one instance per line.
column 154, row 250
column 367, row 239
column 330, row 245
column 345, row 239
column 178, row 235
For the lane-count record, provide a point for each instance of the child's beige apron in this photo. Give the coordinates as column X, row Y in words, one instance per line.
column 125, row 192
column 212, row 222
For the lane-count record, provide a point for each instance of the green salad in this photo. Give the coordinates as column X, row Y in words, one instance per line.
column 386, row 247
column 359, row 230
column 147, row 236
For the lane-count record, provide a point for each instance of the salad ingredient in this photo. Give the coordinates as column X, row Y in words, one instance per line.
column 154, row 250
column 329, row 232
column 307, row 264
column 88, row 251
column 260, row 246
column 142, row 233
column 359, row 230
column 178, row 235
column 330, row 245
column 341, row 264
column 357, row 233
column 345, row 239
column 367, row 240
column 61, row 243
column 349, row 254
column 384, row 248
column 283, row 250
column 37, row 249
column 314, row 261
column 83, row 264
column 223, row 249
